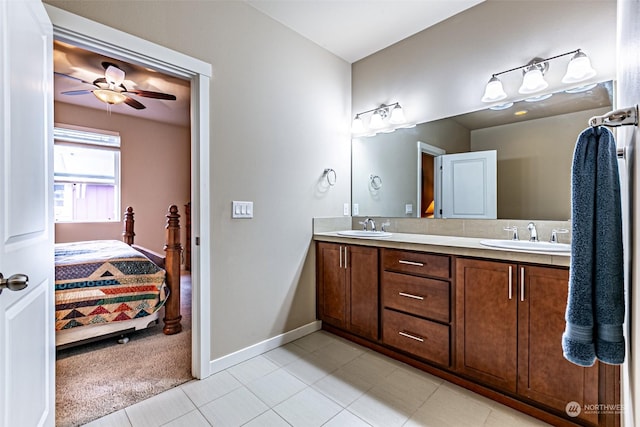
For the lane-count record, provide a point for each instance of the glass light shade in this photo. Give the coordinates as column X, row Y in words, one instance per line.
column 533, row 81
column 397, row 115
column 114, row 75
column 376, row 121
column 494, row 91
column 357, row 126
column 579, row 69
column 109, row 96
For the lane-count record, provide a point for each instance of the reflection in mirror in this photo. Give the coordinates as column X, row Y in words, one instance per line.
column 535, row 151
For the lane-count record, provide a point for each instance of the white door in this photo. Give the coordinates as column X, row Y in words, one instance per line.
column 27, row 346
column 467, row 184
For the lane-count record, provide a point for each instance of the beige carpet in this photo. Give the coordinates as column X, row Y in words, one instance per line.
column 96, row 379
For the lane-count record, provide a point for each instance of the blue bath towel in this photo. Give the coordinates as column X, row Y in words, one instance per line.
column 595, row 307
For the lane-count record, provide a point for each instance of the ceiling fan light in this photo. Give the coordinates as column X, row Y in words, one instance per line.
column 109, row 96
column 579, row 69
column 494, row 91
column 114, row 75
column 533, row 81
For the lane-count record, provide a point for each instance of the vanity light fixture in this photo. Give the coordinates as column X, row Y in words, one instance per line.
column 385, row 118
column 578, row 70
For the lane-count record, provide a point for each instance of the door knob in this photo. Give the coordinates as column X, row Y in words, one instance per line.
column 16, row 282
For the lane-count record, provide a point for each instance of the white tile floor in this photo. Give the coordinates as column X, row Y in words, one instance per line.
column 318, row 380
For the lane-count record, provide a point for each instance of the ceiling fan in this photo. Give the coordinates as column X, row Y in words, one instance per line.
column 110, row 90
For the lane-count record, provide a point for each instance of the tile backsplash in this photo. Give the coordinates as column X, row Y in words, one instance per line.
column 480, row 228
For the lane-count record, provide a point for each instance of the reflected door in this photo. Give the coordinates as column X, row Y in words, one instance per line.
column 466, row 185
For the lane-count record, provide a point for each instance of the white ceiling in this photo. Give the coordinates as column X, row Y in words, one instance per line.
column 354, row 29
column 351, row 29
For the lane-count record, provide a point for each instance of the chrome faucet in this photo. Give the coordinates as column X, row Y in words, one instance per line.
column 533, row 234
column 555, row 232
column 513, row 231
column 369, row 221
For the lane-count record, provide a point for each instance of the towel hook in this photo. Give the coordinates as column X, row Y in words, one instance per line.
column 375, row 182
column 621, row 117
column 330, row 175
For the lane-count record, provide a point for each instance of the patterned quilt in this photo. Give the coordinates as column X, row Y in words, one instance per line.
column 104, row 281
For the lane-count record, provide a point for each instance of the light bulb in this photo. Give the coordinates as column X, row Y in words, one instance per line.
column 579, row 69
column 533, row 81
column 494, row 91
column 114, row 75
column 376, row 120
column 357, row 126
column 397, row 115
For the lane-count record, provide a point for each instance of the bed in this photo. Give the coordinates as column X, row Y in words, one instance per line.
column 111, row 288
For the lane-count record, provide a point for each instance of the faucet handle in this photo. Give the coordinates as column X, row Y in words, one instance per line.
column 363, row 224
column 555, row 232
column 514, row 230
column 384, row 225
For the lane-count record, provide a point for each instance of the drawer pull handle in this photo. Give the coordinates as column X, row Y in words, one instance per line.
column 522, row 284
column 417, row 264
column 404, row 294
column 510, row 282
column 413, row 337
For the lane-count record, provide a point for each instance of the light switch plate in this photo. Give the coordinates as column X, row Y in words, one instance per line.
column 241, row 209
column 408, row 208
column 356, row 209
column 345, row 209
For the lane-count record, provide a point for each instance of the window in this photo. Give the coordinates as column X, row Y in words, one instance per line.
column 86, row 175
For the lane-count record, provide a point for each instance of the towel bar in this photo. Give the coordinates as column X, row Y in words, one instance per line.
column 621, row 117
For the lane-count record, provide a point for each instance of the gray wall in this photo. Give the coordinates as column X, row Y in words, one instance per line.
column 279, row 116
column 393, row 156
column 534, row 164
column 442, row 71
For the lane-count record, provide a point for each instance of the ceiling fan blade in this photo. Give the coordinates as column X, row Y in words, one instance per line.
column 76, row 92
column 154, row 95
column 71, row 77
column 133, row 103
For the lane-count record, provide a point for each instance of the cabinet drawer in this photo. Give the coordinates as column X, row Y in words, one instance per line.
column 417, row 295
column 423, row 338
column 416, row 263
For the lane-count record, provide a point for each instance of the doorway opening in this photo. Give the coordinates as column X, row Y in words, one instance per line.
column 86, row 34
column 427, row 191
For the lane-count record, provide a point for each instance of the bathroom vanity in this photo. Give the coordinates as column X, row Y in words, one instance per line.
column 488, row 319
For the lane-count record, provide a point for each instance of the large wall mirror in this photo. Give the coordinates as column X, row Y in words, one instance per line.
column 392, row 174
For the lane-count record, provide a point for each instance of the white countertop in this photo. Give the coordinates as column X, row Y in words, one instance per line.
column 452, row 245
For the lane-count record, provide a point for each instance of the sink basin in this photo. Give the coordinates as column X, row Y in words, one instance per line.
column 365, row 234
column 525, row 245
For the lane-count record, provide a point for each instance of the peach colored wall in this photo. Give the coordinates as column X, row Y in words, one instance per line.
column 147, row 149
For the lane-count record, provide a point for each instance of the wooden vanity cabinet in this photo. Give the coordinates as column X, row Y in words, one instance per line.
column 510, row 320
column 347, row 287
column 416, row 301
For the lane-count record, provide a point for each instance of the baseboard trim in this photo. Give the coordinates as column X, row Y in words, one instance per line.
column 247, row 353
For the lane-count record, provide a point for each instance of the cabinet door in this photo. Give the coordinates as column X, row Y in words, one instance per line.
column 362, row 266
column 332, row 284
column 544, row 375
column 486, row 322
